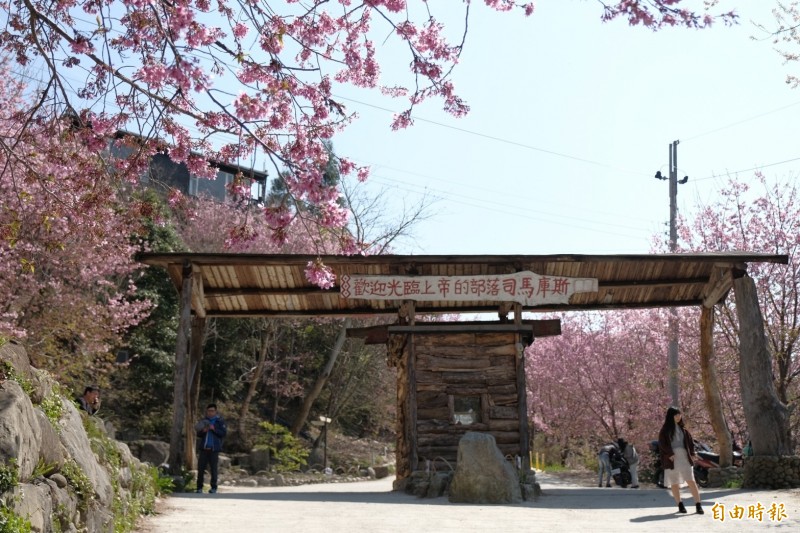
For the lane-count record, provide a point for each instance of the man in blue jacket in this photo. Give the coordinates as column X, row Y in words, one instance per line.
column 210, row 432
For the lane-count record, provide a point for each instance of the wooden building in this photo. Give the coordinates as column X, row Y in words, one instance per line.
column 454, row 377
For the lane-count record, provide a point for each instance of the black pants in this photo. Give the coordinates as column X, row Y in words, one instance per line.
column 207, row 458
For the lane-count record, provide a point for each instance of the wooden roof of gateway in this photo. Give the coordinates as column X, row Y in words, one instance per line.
column 239, row 285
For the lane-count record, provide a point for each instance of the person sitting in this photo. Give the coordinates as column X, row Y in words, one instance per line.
column 90, row 401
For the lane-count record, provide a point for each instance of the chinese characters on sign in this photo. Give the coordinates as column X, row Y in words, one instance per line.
column 526, row 288
column 775, row 513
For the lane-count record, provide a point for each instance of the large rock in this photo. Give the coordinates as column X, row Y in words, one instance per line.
column 482, row 473
column 34, row 503
column 16, row 355
column 259, row 460
column 29, row 437
column 51, row 452
column 151, row 451
column 20, row 433
column 77, row 444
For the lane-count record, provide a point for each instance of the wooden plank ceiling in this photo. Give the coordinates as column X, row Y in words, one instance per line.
column 237, row 285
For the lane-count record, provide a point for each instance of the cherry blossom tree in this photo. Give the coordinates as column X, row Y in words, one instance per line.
column 67, row 239
column 786, row 36
column 600, row 379
column 758, row 215
column 243, row 81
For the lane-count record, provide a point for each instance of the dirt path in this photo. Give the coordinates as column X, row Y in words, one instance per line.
column 371, row 506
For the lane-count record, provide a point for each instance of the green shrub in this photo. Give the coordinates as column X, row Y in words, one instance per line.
column 42, row 469
column 79, row 482
column 103, row 447
column 164, row 484
column 53, row 407
column 287, row 452
column 60, row 518
column 9, row 475
column 11, row 374
column 128, row 506
column 11, row 523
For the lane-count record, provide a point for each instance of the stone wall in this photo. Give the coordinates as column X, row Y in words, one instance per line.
column 62, row 471
column 724, row 477
column 769, row 472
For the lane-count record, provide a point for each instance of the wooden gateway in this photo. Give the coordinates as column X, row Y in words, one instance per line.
column 452, row 377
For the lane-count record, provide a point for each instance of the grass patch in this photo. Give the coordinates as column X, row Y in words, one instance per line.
column 733, row 484
column 555, row 468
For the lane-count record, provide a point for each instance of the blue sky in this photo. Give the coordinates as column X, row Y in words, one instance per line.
column 570, row 120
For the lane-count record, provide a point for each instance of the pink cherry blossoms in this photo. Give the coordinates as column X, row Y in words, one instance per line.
column 172, row 68
column 252, row 83
column 319, row 274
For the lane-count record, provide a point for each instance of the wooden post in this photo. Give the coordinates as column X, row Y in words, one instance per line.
column 177, row 457
column 411, row 423
column 767, row 418
column 708, row 372
column 402, row 450
column 193, row 390
column 522, row 405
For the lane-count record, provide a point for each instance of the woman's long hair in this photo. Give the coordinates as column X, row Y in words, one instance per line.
column 669, row 421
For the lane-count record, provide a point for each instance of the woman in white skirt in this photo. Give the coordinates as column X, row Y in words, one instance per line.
column 677, row 449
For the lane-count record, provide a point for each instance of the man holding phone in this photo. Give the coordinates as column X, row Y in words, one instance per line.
column 210, row 432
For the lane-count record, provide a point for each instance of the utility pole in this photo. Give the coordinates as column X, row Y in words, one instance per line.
column 674, row 388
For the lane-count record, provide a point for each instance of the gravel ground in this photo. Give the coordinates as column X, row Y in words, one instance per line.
column 570, row 502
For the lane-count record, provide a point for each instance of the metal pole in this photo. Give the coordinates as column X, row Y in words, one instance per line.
column 673, row 197
column 674, row 386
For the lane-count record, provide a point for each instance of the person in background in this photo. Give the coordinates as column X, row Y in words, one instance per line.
column 90, row 401
column 210, row 432
column 748, row 449
column 677, row 449
column 604, row 463
column 630, row 455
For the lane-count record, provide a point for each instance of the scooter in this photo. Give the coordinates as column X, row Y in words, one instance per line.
column 704, row 451
column 620, row 470
column 706, row 458
column 701, row 466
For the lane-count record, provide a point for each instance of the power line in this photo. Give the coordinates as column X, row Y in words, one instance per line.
column 741, row 121
column 750, row 169
column 506, row 208
column 495, row 138
column 461, row 183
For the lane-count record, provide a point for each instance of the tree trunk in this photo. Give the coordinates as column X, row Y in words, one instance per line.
column 312, row 395
column 767, row 418
column 261, row 362
column 711, row 387
column 176, row 444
